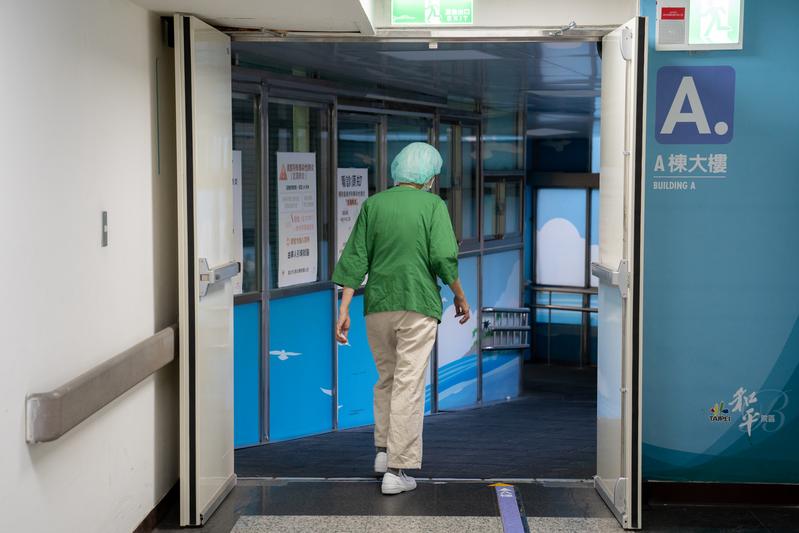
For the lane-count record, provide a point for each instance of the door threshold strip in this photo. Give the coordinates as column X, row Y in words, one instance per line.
column 511, row 511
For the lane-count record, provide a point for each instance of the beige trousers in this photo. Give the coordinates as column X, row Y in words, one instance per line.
column 401, row 342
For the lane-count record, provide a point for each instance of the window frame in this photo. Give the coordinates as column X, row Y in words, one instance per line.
column 255, row 91
column 500, row 179
column 325, row 210
column 457, row 178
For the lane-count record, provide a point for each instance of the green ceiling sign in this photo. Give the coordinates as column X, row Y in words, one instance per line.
column 432, row 12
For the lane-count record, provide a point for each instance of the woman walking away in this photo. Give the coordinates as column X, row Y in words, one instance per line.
column 403, row 240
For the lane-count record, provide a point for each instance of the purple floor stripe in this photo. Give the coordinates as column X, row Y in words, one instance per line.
column 509, row 510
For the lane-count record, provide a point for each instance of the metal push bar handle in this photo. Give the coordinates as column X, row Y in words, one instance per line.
column 506, row 309
column 615, row 278
column 209, row 276
column 49, row 415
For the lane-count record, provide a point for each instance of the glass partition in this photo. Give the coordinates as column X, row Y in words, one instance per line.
column 299, row 180
column 513, row 208
column 490, row 210
column 503, row 149
column 246, row 148
column 469, row 164
column 502, row 207
column 358, row 145
column 447, row 178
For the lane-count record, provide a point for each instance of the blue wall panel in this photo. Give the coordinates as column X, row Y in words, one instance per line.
column 501, row 375
column 357, row 374
column 246, row 374
column 457, row 344
column 300, row 365
column 721, row 291
column 501, row 288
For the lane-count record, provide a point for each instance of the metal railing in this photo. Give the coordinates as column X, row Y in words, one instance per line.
column 585, row 310
column 49, row 415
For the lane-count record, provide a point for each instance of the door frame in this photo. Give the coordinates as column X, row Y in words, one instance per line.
column 590, row 34
column 638, row 261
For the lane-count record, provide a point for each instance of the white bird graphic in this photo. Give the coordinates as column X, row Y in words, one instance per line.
column 283, row 355
column 329, row 392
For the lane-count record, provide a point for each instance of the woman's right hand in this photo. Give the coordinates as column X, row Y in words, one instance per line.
column 343, row 325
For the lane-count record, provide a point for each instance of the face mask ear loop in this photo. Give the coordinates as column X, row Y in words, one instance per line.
column 429, row 185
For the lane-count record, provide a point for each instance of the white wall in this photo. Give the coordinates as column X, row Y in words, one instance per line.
column 302, row 15
column 78, row 136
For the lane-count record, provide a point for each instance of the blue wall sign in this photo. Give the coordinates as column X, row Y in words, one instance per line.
column 695, row 105
column 721, row 305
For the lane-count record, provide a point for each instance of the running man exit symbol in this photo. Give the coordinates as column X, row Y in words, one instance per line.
column 695, row 105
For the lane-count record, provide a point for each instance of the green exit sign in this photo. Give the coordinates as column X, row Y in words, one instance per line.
column 432, row 12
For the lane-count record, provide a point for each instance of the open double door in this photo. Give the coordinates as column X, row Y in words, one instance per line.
column 619, row 269
column 205, row 266
column 204, row 140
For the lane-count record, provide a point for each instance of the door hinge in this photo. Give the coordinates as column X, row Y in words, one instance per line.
column 626, row 44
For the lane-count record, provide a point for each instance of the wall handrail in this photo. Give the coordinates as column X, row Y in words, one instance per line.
column 49, row 415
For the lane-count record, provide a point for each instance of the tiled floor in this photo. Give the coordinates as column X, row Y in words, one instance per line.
column 367, row 524
column 259, row 506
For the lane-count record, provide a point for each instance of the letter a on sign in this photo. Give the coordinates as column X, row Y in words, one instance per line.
column 695, row 105
column 686, row 91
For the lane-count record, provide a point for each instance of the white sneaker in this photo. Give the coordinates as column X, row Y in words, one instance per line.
column 394, row 484
column 381, row 463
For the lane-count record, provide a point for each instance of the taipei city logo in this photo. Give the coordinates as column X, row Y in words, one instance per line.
column 719, row 413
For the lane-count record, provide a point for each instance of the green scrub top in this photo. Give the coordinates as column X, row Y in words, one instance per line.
column 403, row 239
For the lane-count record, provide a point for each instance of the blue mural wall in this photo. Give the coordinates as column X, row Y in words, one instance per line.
column 501, row 288
column 560, row 237
column 457, row 344
column 357, row 374
column 246, row 374
column 561, row 229
column 721, row 335
column 300, row 365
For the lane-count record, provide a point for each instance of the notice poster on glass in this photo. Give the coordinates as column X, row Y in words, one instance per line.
column 238, row 237
column 351, row 192
column 296, row 211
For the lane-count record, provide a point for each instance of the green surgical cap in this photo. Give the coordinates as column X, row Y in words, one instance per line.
column 416, row 163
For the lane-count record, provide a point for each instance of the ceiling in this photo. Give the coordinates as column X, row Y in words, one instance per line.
column 313, row 15
column 559, row 81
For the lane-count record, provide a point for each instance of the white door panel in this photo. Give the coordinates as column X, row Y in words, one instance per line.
column 205, row 225
column 612, row 159
column 608, row 407
column 618, row 477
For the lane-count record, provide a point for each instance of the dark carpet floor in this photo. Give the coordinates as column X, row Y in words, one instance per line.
column 550, row 432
